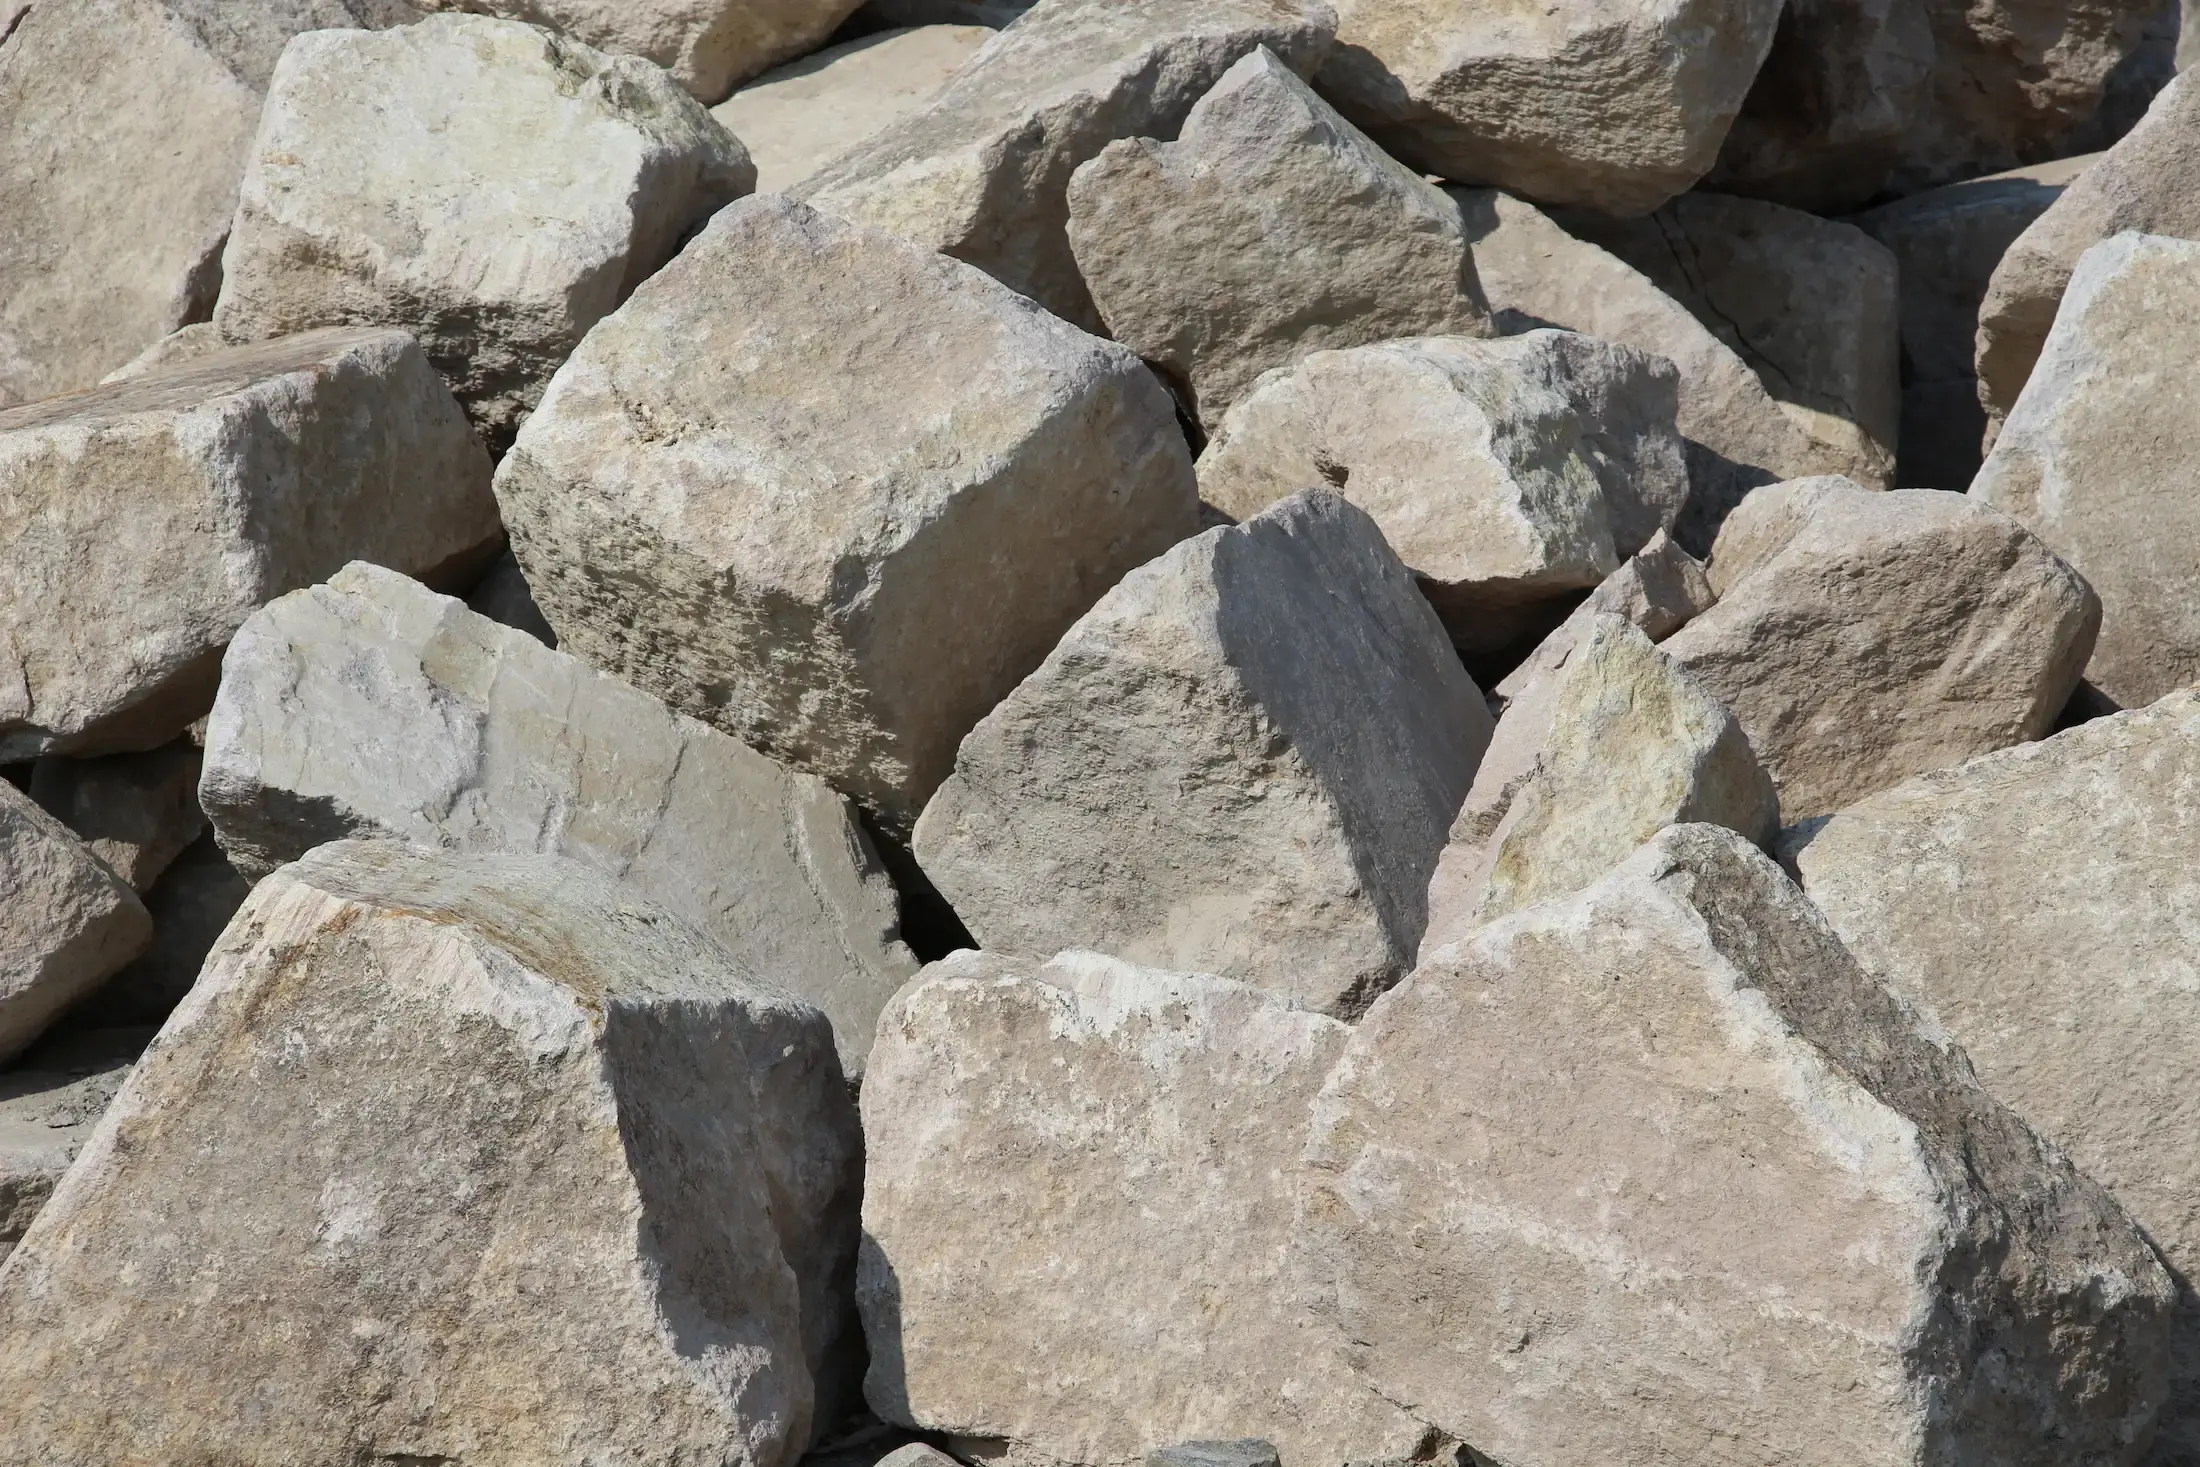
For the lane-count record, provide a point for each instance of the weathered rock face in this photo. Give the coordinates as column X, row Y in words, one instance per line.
column 1193, row 778
column 48, row 1106
column 373, row 707
column 1270, row 229
column 190, row 905
column 67, row 922
column 1671, row 1179
column 1615, row 105
column 795, row 120
column 490, row 187
column 982, row 173
column 1160, row 1118
column 2040, row 902
column 2101, row 458
column 185, row 344
column 136, row 811
column 127, row 124
column 512, row 1168
column 141, row 523
column 1863, row 637
column 1661, row 589
column 1502, row 472
column 881, row 506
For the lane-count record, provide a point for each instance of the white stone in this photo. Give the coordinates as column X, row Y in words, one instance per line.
column 67, row 921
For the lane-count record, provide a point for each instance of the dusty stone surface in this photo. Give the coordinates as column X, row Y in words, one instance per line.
column 1270, row 229
column 1193, row 779
column 370, row 706
column 136, row 811
column 1672, row 1179
column 512, row 1167
column 1864, row 637
column 1160, row 1116
column 49, row 1103
column 140, row 523
column 190, row 905
column 68, row 921
column 491, row 187
column 983, row 172
column 882, row 505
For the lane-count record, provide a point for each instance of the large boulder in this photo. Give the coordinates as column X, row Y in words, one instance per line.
column 1242, row 761
column 1079, row 1181
column 1656, row 1173
column 370, row 706
column 67, row 921
column 982, row 173
column 49, row 1103
column 136, row 811
column 837, row 494
column 141, row 523
column 490, row 187
column 470, row 1157
column 1271, row 228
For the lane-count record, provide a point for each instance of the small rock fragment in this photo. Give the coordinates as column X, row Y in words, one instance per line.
column 66, row 923
column 48, row 1105
column 136, row 811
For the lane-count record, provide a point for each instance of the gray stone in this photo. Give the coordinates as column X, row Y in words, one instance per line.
column 502, row 595
column 1243, row 1452
column 190, row 905
column 48, row 1106
column 67, row 922
column 136, row 811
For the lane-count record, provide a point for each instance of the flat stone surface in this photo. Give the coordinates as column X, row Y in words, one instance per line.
column 136, row 811
column 67, row 922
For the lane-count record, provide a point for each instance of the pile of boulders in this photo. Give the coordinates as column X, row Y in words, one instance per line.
column 959, row 733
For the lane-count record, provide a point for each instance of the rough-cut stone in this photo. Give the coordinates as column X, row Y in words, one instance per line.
column 982, row 173
column 185, row 344
column 1242, row 761
column 1661, row 589
column 124, row 125
column 371, row 706
column 141, row 523
column 2101, row 458
column 1656, row 1173
column 1864, row 637
column 491, row 187
column 1502, row 472
column 852, row 508
column 136, row 811
column 476, row 1158
column 1270, row 229
column 1077, row 1201
column 2041, row 902
column 190, row 905
column 1615, row 105
column 799, row 118
column 48, row 1106
column 503, row 596
column 66, row 920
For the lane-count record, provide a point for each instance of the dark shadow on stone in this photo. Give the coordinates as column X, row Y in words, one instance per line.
column 2086, row 704
column 1716, row 484
column 928, row 923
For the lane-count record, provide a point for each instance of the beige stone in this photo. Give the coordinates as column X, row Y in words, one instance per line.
column 1661, row 589
column 49, row 1103
column 136, row 811
column 186, row 344
column 67, row 921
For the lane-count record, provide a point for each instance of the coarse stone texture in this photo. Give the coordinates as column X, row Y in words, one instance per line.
column 124, row 125
column 136, row 811
column 1661, row 589
column 1864, row 637
column 502, row 595
column 1271, row 228
column 982, row 173
column 1656, row 1173
column 185, row 344
column 67, row 921
column 1502, row 472
column 893, row 489
column 465, row 1157
column 1080, row 1176
column 370, row 706
column 2101, row 458
column 142, row 522
column 491, row 187
column 1242, row 761
column 1615, row 105
column 2041, row 901
column 802, row 116
column 48, row 1106
column 190, row 905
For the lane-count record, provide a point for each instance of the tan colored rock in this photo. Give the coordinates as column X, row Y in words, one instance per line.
column 67, row 923
column 190, row 905
column 1661, row 589
column 1155, row 1119
column 982, row 172
column 1271, row 228
column 892, row 490
column 1864, row 637
column 141, row 523
column 472, row 1157
column 490, row 187
column 1670, row 1179
column 136, row 811
column 186, row 344
column 49, row 1103
column 796, row 119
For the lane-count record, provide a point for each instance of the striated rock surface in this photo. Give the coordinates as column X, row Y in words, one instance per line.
column 67, row 921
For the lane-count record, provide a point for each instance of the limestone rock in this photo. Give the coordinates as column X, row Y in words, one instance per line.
column 136, row 811
column 190, row 905
column 1502, row 472
column 981, row 174
column 141, row 523
column 1672, row 1180
column 186, row 344
column 503, row 596
column 473, row 1157
column 1242, row 761
column 802, row 116
column 490, row 187
column 2040, row 901
column 48, row 1106
column 1157, row 1119
column 1615, row 105
column 370, row 706
column 1270, row 229
column 1661, row 589
column 67, row 922
column 894, row 488
column 1863, row 637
